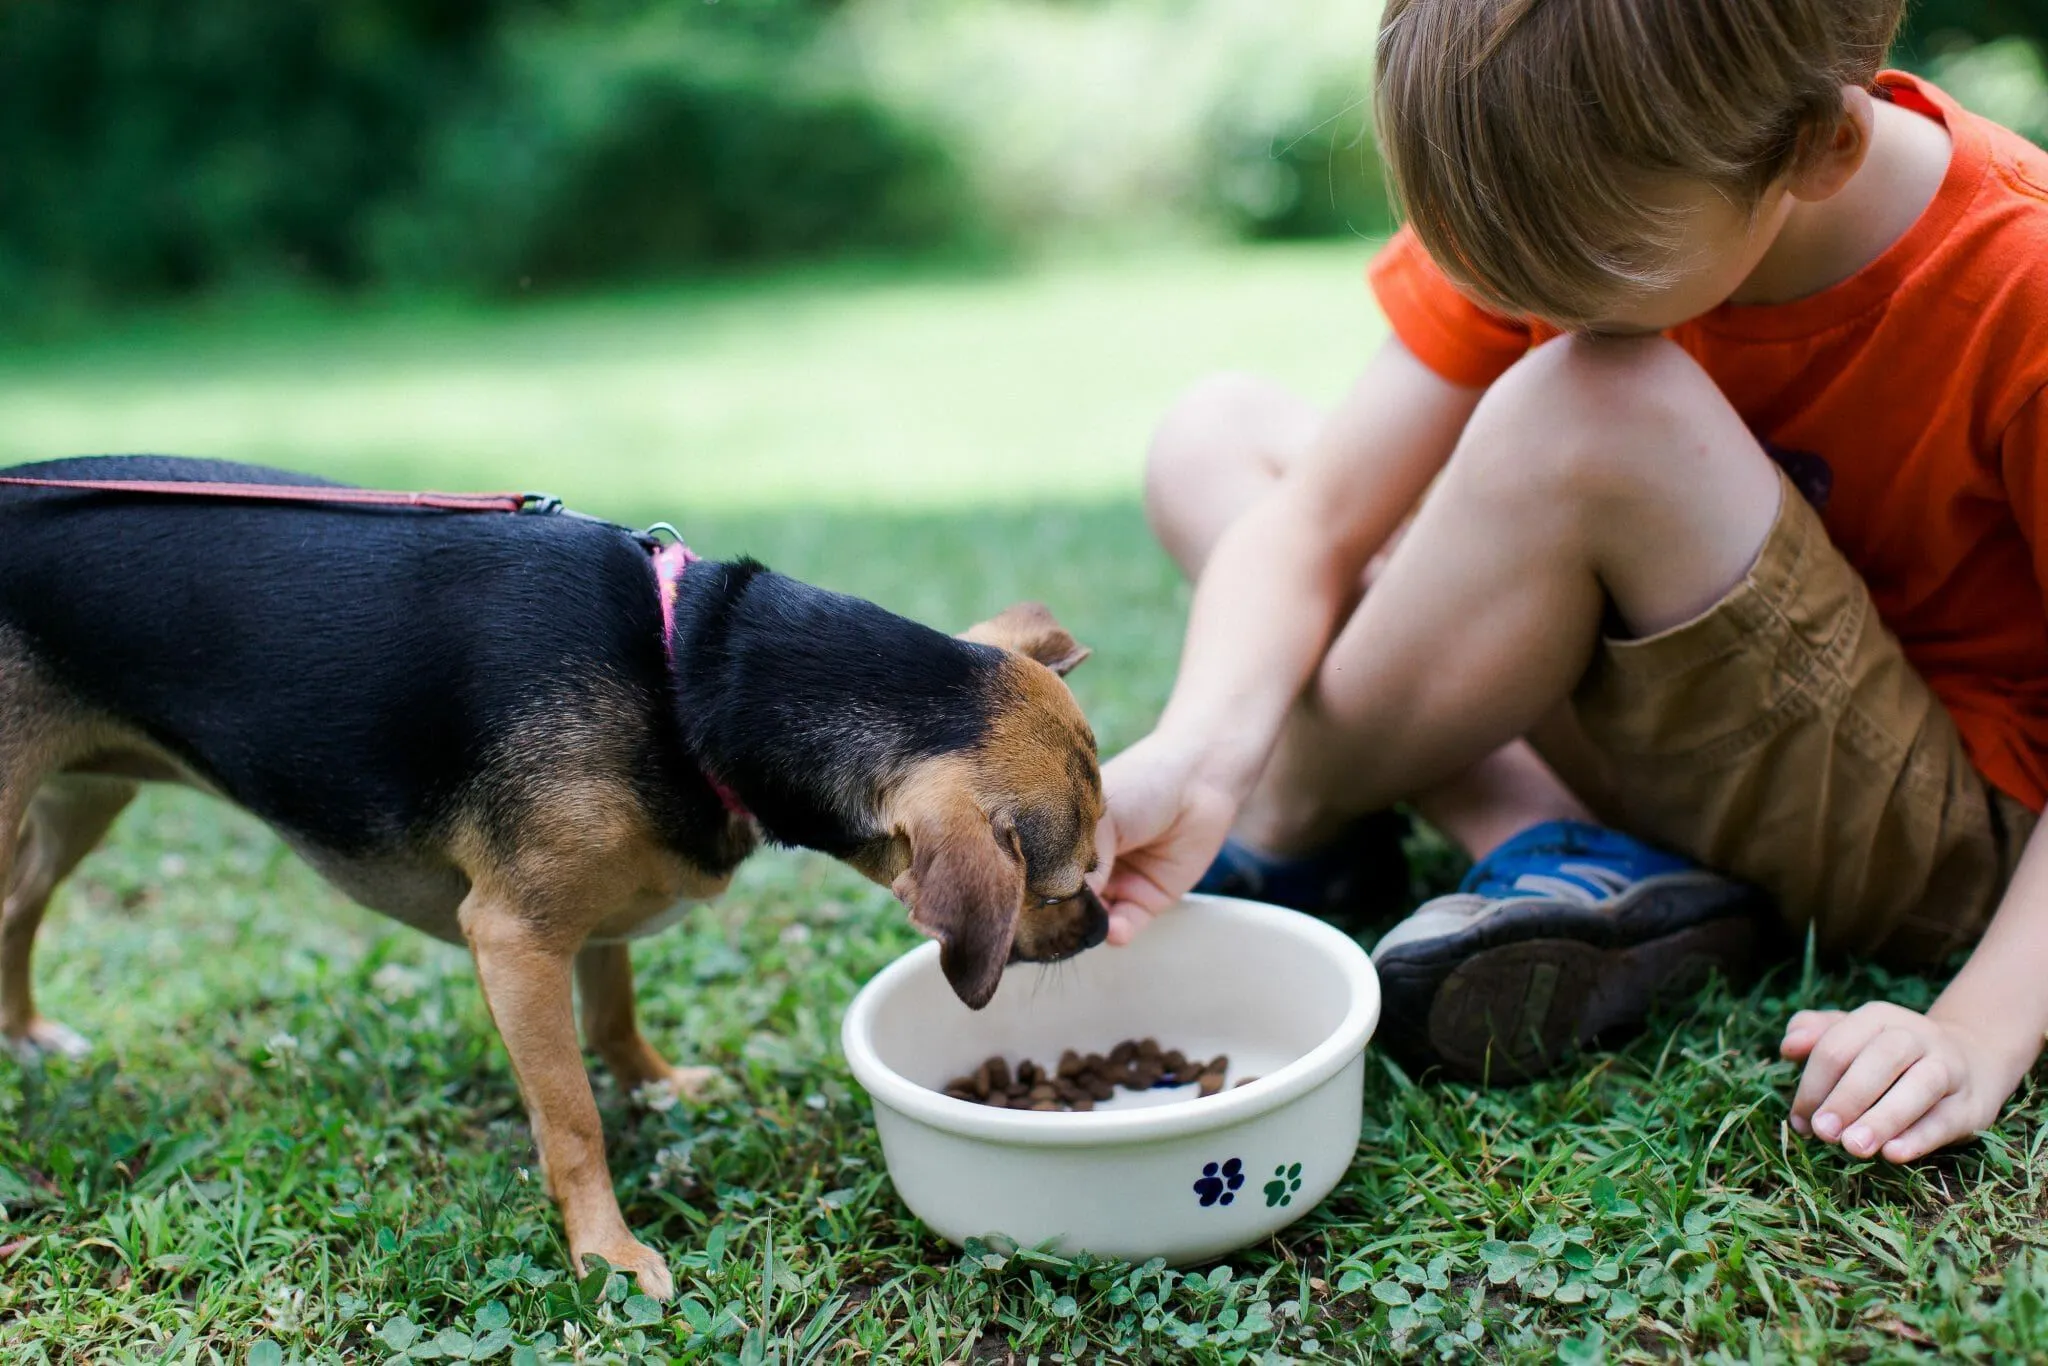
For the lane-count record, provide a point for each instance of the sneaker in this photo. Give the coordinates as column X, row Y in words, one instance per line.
column 1563, row 934
column 1362, row 876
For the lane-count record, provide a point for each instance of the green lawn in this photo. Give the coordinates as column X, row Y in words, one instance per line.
column 833, row 388
column 300, row 1138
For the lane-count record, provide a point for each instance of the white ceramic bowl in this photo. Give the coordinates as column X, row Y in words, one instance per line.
column 1158, row 1174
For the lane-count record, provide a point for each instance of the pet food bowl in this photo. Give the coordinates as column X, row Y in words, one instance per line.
column 1160, row 1173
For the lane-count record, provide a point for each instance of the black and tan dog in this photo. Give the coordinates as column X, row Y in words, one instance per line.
column 480, row 725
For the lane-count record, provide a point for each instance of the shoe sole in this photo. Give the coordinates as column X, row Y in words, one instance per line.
column 1517, row 994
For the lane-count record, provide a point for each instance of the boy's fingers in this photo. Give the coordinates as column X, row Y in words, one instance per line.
column 1881, row 1061
column 1939, row 1127
column 1132, row 887
column 1133, row 899
column 1829, row 1059
column 1916, row 1093
column 1804, row 1030
column 1125, row 922
column 1105, row 853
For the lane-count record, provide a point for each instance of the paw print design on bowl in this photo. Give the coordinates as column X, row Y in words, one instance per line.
column 1281, row 1189
column 1220, row 1182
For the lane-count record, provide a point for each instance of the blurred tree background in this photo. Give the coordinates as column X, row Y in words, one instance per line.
column 158, row 149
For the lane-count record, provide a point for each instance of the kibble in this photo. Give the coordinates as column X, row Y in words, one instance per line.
column 1081, row 1081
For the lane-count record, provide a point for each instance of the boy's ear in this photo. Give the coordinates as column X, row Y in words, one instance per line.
column 1030, row 629
column 965, row 888
column 1830, row 155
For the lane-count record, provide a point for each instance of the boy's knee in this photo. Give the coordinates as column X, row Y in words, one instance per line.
column 1226, row 422
column 1583, row 415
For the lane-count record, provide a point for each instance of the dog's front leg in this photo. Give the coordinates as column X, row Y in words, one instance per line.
column 604, row 976
column 525, row 972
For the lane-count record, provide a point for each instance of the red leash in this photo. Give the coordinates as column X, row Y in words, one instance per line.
column 298, row 493
column 669, row 560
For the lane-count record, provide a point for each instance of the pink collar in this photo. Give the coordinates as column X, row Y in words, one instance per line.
column 669, row 563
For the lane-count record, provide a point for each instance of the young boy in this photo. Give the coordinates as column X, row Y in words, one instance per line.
column 1723, row 358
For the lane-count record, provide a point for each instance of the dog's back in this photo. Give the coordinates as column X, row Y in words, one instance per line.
column 343, row 673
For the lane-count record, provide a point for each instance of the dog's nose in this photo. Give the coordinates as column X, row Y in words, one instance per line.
column 1098, row 920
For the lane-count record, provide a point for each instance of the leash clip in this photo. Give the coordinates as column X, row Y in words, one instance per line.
column 540, row 504
column 661, row 531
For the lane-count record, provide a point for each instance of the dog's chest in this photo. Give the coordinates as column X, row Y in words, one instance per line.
column 427, row 893
column 421, row 892
column 667, row 891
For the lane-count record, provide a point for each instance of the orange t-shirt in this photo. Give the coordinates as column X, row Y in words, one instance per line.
column 1909, row 403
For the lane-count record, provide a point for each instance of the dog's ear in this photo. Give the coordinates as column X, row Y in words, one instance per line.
column 965, row 888
column 1030, row 630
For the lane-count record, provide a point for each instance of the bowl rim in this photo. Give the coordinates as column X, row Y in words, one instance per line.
column 1026, row 1128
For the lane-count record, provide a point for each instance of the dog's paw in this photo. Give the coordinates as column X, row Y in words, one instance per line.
column 45, row 1038
column 693, row 1084
column 643, row 1261
column 696, row 1083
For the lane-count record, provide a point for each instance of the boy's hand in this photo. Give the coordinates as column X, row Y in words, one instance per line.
column 1160, row 829
column 1884, row 1079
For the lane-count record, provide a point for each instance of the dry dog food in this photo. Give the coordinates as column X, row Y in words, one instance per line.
column 1080, row 1081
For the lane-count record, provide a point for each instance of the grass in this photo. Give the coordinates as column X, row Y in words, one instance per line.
column 835, row 387
column 300, row 1139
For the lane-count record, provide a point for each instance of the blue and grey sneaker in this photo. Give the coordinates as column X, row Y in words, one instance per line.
column 1361, row 877
column 1563, row 934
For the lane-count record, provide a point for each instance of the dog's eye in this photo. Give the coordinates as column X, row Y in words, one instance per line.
column 1056, row 900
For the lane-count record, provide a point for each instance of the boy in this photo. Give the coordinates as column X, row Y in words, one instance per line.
column 1722, row 356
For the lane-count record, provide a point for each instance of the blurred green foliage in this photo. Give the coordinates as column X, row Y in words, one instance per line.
column 1928, row 22
column 161, row 148
column 627, row 141
column 1990, row 54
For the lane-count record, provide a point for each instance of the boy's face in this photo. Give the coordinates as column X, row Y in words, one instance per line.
column 1719, row 248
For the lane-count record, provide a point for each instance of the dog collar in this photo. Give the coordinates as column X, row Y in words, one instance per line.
column 670, row 560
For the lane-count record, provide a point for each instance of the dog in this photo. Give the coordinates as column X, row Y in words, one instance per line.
column 537, row 736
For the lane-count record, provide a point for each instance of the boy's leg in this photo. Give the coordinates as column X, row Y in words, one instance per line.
column 1597, row 480
column 1594, row 472
column 1223, row 445
column 1748, row 710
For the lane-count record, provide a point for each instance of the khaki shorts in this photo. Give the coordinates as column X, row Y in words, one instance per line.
column 1783, row 739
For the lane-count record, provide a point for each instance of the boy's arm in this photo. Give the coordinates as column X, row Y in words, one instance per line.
column 1264, row 610
column 1887, row 1079
column 1884, row 1078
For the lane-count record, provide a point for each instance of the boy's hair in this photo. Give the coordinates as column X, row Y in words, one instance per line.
column 1524, row 137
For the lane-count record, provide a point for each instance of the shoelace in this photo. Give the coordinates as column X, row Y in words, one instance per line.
column 1589, row 884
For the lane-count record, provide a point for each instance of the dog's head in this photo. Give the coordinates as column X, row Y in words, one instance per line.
column 988, row 845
